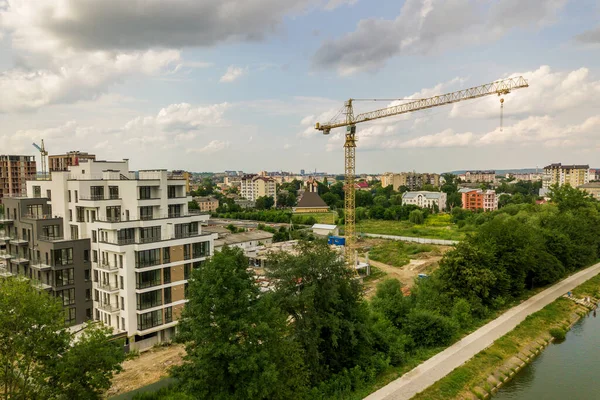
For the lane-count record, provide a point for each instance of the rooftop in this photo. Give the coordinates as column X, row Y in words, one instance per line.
column 427, row 194
column 311, row 200
column 324, row 226
column 242, row 237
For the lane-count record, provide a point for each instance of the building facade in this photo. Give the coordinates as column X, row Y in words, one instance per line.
column 37, row 249
column 62, row 162
column 15, row 170
column 144, row 242
column 180, row 174
column 412, row 180
column 255, row 186
column 478, row 176
column 592, row 188
column 573, row 175
column 425, row 199
column 477, row 199
column 207, row 203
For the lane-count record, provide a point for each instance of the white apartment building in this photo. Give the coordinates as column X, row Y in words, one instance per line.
column 255, row 186
column 144, row 242
column 425, row 199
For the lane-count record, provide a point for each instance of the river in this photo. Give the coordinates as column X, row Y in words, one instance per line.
column 566, row 370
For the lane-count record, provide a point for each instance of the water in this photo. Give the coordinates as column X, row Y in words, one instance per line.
column 567, row 370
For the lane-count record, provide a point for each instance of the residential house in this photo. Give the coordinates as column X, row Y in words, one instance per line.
column 425, row 199
column 477, row 199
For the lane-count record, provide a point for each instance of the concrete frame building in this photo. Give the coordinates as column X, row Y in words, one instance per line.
column 255, row 186
column 425, row 199
column 62, row 162
column 144, row 242
column 573, row 175
column 207, row 203
column 37, row 250
column 15, row 170
column 412, row 180
column 477, row 199
column 480, row 176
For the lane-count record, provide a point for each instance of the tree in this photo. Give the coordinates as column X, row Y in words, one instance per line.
column 237, row 341
column 390, row 301
column 264, row 203
column 568, row 198
column 193, row 205
column 40, row 358
column 330, row 198
column 429, row 329
column 416, row 217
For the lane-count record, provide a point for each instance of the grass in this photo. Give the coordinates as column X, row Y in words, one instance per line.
column 322, row 218
column 397, row 253
column 438, row 228
column 555, row 316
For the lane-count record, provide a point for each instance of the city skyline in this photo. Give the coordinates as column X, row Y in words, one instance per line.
column 192, row 91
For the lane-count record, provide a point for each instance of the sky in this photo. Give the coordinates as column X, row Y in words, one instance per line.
column 217, row 85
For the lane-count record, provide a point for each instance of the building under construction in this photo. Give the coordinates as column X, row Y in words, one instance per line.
column 14, row 171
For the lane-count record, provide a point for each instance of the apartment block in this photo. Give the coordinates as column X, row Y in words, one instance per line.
column 62, row 162
column 412, row 180
column 144, row 242
column 37, row 250
column 255, row 186
column 425, row 199
column 477, row 199
column 478, row 176
column 573, row 175
column 207, row 203
column 15, row 170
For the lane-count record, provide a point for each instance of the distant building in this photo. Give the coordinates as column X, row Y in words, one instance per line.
column 301, row 172
column 425, row 199
column 362, row 185
column 254, row 186
column 62, row 162
column 244, row 203
column 247, row 241
column 311, row 202
column 412, row 180
column 592, row 188
column 207, row 203
column 15, row 170
column 179, row 174
column 477, row 199
column 594, row 174
column 573, row 175
column 527, row 177
column 488, row 176
column 325, row 230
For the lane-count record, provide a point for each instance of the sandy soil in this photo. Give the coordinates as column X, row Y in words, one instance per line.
column 148, row 368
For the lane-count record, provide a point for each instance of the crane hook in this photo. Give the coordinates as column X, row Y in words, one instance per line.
column 501, row 114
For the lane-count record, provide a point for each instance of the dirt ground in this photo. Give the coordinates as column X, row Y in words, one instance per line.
column 148, row 368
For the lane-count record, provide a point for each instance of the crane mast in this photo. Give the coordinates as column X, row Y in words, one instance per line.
column 500, row 88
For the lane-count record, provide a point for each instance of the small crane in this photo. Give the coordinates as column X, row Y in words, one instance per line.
column 500, row 88
column 43, row 154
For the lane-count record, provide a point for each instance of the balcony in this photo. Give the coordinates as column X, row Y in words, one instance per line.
column 5, row 220
column 109, row 308
column 18, row 241
column 5, row 256
column 109, row 219
column 4, row 273
column 39, row 216
column 41, row 266
column 40, row 285
column 108, row 287
column 106, row 266
column 17, row 259
column 44, row 238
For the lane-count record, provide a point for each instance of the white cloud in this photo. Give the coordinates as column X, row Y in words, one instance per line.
column 424, row 26
column 232, row 74
column 333, row 4
column 287, row 146
column 446, row 138
column 212, row 147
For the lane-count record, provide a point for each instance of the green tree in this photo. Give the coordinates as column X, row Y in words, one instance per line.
column 391, row 302
column 330, row 198
column 238, row 342
column 40, row 358
column 264, row 203
column 193, row 205
column 416, row 217
column 429, row 329
column 568, row 198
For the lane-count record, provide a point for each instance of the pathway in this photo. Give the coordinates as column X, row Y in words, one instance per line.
column 442, row 242
column 443, row 363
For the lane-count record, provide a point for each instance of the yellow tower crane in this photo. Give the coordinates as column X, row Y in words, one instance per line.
column 500, row 88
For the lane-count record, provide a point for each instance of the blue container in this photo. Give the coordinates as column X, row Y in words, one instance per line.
column 336, row 240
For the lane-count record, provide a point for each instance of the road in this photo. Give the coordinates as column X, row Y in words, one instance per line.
column 412, row 239
column 442, row 364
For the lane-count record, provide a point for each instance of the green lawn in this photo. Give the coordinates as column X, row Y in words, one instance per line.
column 397, row 253
column 436, row 230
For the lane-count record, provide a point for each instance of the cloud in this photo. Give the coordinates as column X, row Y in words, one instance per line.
column 212, row 147
column 424, row 26
column 446, row 138
column 232, row 74
column 287, row 146
column 591, row 36
column 333, row 4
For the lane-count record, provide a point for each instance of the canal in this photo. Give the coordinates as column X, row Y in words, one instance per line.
column 566, row 370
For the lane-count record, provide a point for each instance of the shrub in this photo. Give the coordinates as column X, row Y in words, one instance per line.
column 558, row 333
column 416, row 217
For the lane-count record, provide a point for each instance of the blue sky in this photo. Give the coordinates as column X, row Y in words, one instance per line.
column 228, row 84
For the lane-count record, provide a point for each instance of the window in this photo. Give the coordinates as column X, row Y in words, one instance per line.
column 51, row 231
column 145, row 192
column 49, row 194
column 76, row 196
column 126, row 236
column 86, row 256
column 71, row 215
column 67, row 296
column 186, row 252
column 167, row 275
column 64, row 277
column 113, row 213
column 37, row 192
column 70, row 315
column 63, row 256
column 97, row 193
column 86, row 275
column 201, row 249
column 147, row 279
column 80, row 213
column 167, row 294
column 147, row 258
column 149, row 320
column 123, row 322
column 171, row 192
column 88, row 294
column 95, row 256
column 187, row 270
column 193, row 229
column 95, row 276
column 113, row 192
column 149, row 299
column 168, row 315
column 151, row 234
column 182, row 231
column 69, row 196
column 96, row 295
column 175, row 210
column 122, row 304
column 35, row 210
column 146, row 213
column 122, row 284
column 88, row 313
column 120, row 261
column 166, row 253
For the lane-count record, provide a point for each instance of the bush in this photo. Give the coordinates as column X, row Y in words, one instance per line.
column 429, row 329
column 416, row 217
column 558, row 333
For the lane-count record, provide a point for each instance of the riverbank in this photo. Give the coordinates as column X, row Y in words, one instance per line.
column 499, row 362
